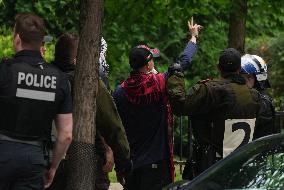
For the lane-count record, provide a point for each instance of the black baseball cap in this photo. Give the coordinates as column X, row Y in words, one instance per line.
column 138, row 57
column 230, row 60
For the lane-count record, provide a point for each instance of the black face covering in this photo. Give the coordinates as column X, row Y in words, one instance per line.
column 262, row 85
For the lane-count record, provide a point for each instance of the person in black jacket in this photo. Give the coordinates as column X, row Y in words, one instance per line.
column 254, row 70
column 222, row 111
column 32, row 95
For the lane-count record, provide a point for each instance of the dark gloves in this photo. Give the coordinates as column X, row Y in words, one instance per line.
column 122, row 170
column 176, row 68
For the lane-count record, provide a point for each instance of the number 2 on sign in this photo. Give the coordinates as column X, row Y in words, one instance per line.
column 238, row 132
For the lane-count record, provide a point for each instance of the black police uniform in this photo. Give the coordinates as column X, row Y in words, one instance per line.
column 32, row 93
column 266, row 120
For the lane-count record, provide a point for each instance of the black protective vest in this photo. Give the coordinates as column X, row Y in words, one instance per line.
column 266, row 119
column 29, row 97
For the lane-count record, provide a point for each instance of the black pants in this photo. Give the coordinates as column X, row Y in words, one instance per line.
column 21, row 166
column 203, row 157
column 150, row 177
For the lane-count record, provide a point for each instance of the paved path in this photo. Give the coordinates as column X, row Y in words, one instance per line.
column 115, row 186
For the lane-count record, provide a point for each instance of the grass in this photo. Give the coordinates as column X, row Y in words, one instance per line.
column 178, row 174
column 112, row 176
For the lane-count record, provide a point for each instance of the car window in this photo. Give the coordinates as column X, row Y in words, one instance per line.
column 263, row 170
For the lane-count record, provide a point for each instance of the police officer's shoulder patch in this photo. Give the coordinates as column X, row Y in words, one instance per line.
column 193, row 89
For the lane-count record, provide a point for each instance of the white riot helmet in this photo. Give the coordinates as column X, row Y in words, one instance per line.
column 253, row 64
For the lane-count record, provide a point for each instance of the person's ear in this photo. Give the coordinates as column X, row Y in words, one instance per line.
column 148, row 66
column 17, row 42
column 250, row 76
column 17, row 39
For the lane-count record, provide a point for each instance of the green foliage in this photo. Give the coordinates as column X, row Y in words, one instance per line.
column 112, row 177
column 60, row 15
column 49, row 54
column 6, row 45
column 163, row 24
column 265, row 18
column 275, row 56
column 160, row 23
column 6, row 42
column 271, row 49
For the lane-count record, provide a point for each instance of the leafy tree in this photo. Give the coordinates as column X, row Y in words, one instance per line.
column 160, row 23
column 275, row 58
column 237, row 28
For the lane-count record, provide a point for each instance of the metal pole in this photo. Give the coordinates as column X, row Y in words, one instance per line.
column 190, row 141
column 280, row 105
column 180, row 130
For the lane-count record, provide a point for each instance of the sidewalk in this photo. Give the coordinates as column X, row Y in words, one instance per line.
column 115, row 186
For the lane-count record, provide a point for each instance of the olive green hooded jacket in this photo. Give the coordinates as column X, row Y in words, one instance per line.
column 224, row 110
column 109, row 125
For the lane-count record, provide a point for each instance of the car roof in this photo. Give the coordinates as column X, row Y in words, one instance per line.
column 252, row 148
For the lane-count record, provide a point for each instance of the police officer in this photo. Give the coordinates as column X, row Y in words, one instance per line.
column 254, row 70
column 223, row 112
column 32, row 94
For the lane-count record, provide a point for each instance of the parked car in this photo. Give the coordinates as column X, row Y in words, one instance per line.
column 257, row 165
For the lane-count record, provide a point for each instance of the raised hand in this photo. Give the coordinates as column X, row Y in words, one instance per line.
column 193, row 28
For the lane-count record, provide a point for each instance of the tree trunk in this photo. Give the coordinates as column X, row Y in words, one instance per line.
column 237, row 28
column 81, row 155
